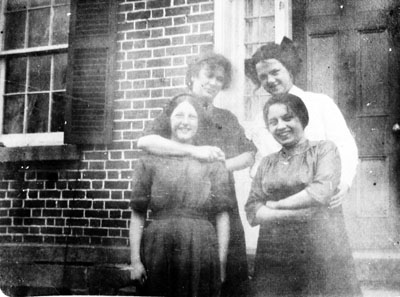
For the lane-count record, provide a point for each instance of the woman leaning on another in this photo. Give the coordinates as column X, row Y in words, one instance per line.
column 303, row 249
column 180, row 252
column 222, row 138
column 274, row 67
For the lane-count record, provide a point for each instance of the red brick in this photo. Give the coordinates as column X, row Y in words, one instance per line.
column 134, row 55
column 138, row 35
column 199, row 38
column 177, row 30
column 72, row 213
column 80, row 204
column 138, row 15
column 136, row 114
column 117, row 204
column 138, row 94
column 98, row 194
column 114, row 223
column 157, row 33
column 177, row 11
column 159, row 62
column 96, row 214
column 157, row 13
column 151, row 4
column 140, row 74
column 116, row 165
column 158, row 42
column 94, row 175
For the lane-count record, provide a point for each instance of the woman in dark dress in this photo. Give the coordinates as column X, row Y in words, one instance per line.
column 303, row 249
column 182, row 253
column 221, row 139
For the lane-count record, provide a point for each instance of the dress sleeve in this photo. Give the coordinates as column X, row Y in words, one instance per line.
column 159, row 126
column 327, row 172
column 257, row 198
column 220, row 190
column 141, row 187
column 336, row 130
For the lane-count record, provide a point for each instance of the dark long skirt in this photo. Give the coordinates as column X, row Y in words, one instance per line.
column 181, row 258
column 305, row 258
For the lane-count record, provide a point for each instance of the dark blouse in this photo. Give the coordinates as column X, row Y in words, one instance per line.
column 165, row 183
column 313, row 166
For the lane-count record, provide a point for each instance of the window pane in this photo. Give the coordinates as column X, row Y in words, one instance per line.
column 15, row 30
column 39, row 73
column 267, row 7
column 38, row 113
column 268, row 32
column 36, row 3
column 60, row 27
column 16, row 75
column 13, row 114
column 57, row 112
column 16, row 4
column 39, row 23
column 60, row 71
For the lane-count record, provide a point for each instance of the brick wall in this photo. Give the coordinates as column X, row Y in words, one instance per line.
column 63, row 206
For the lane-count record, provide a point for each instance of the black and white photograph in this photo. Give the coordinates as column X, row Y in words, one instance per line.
column 200, row 148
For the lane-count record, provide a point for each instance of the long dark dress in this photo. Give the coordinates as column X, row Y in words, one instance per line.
column 223, row 130
column 309, row 255
column 179, row 246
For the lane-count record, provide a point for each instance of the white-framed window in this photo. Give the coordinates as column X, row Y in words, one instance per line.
column 33, row 64
column 240, row 28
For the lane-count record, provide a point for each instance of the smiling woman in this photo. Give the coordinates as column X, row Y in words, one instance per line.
column 180, row 252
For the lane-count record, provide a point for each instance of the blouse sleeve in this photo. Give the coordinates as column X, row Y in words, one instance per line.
column 327, row 173
column 337, row 131
column 141, row 187
column 220, row 190
column 257, row 197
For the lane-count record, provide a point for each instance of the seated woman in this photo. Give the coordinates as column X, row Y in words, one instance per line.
column 180, row 253
column 303, row 249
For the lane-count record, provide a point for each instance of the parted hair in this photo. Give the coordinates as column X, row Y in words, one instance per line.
column 286, row 53
column 294, row 105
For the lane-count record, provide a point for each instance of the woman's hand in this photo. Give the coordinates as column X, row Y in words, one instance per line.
column 337, row 199
column 207, row 153
column 138, row 272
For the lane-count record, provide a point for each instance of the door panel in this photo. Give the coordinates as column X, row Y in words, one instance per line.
column 351, row 57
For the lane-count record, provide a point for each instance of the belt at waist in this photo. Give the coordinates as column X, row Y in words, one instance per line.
column 177, row 213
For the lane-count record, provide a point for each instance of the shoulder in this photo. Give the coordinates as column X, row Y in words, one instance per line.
column 323, row 145
column 224, row 114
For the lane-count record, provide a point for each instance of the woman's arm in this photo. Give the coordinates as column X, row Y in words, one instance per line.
column 223, row 229
column 241, row 161
column 137, row 270
column 266, row 214
column 162, row 146
column 299, row 200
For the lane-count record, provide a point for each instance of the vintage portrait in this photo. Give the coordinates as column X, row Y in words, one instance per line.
column 200, row 148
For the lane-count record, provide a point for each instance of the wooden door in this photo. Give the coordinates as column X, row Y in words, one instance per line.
column 352, row 57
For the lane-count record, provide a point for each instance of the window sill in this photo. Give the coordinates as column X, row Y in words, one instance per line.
column 39, row 153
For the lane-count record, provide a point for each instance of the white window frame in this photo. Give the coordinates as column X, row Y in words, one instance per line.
column 24, row 139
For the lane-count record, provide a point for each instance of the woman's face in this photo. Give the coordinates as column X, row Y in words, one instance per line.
column 208, row 82
column 274, row 77
column 284, row 125
column 184, row 123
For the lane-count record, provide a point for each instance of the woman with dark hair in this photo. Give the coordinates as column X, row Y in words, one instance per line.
column 222, row 138
column 303, row 249
column 180, row 252
column 274, row 68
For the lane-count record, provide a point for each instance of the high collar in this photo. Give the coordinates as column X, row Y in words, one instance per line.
column 295, row 150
